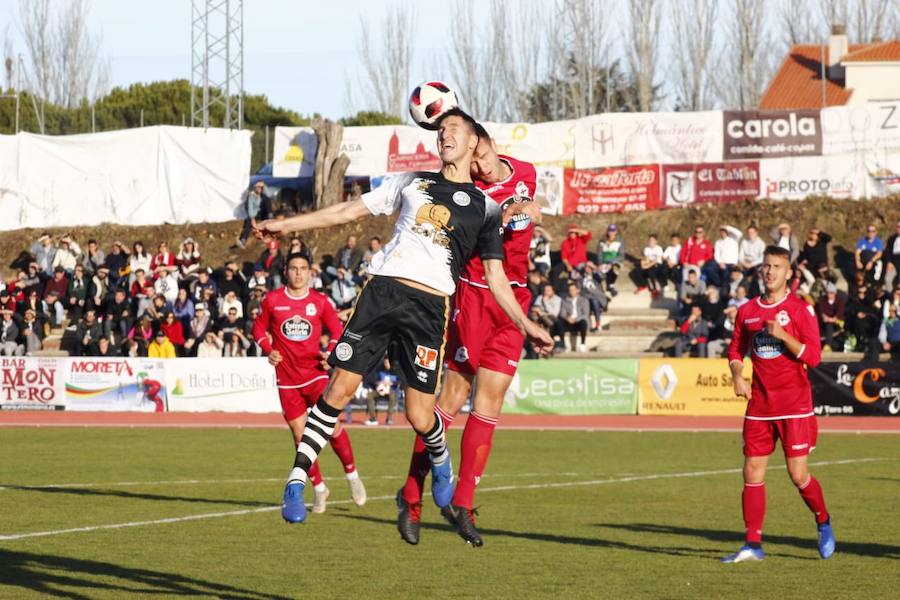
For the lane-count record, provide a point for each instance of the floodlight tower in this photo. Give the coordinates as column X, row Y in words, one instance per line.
column 217, row 61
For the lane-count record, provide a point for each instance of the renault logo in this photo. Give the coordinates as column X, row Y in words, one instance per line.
column 664, row 381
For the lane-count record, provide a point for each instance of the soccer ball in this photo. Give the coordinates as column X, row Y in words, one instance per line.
column 429, row 101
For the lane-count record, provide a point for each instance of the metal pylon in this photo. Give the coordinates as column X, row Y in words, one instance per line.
column 217, row 61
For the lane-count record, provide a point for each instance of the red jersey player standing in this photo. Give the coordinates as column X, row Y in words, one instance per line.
column 780, row 333
column 288, row 330
column 482, row 341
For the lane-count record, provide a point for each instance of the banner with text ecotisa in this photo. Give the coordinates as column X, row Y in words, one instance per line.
column 222, row 384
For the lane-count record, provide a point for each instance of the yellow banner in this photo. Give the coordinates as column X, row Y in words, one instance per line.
column 688, row 386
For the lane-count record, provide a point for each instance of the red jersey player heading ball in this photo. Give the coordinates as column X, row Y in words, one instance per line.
column 780, row 333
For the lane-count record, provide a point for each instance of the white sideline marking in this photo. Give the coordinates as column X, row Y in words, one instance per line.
column 534, row 486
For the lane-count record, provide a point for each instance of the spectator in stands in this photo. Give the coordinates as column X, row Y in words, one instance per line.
column 131, row 349
column 31, row 281
column 139, row 260
column 696, row 252
column 142, row 292
column 118, row 315
column 174, row 330
column 106, row 349
column 591, row 288
column 188, row 260
column 65, row 258
column 273, row 265
column 34, row 303
column 545, row 309
column 9, row 335
column 7, row 302
column 535, row 284
column 717, row 347
column 869, row 250
column 783, row 238
column 573, row 250
column 740, row 297
column 257, row 295
column 610, row 258
column 210, row 347
column 889, row 332
column 31, row 335
column 196, row 329
column 76, row 296
column 258, row 207
column 717, row 271
column 892, row 258
column 162, row 259
column 166, row 283
column 212, row 304
column 349, row 255
column 298, row 246
column 119, row 269
column 44, row 251
column 671, row 263
column 814, row 252
column 230, row 303
column 574, row 314
column 692, row 292
column 142, row 333
column 204, row 281
column 158, row 308
column 161, row 347
column 892, row 300
column 55, row 292
column 539, row 251
column 830, row 310
column 382, row 385
column 93, row 257
column 230, row 283
column 694, row 334
column 87, row 334
column 98, row 292
column 374, row 248
column 315, row 277
column 183, row 307
column 343, row 289
column 650, row 275
column 750, row 253
column 258, row 279
column 236, row 344
column 862, row 322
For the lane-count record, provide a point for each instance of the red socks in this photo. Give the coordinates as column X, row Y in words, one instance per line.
column 753, row 502
column 476, row 447
column 314, row 474
column 811, row 492
column 420, row 464
column 340, row 443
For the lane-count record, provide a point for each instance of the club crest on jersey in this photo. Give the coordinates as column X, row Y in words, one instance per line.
column 426, row 357
column 343, row 351
column 521, row 189
column 311, row 310
column 783, row 318
column 296, row 329
column 461, row 198
column 462, row 354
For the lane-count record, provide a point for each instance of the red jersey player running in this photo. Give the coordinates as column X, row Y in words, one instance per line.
column 288, row 330
column 482, row 342
column 781, row 334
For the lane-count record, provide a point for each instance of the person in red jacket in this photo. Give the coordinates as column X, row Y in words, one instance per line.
column 174, row 330
column 696, row 251
column 573, row 249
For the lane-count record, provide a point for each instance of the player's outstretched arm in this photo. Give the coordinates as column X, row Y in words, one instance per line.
column 336, row 214
column 502, row 292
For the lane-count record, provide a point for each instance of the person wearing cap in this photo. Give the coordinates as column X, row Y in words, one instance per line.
column 573, row 250
column 32, row 332
column 87, row 334
column 100, row 288
column 611, row 257
column 161, row 347
column 258, row 207
column 273, row 264
column 197, row 329
column 830, row 309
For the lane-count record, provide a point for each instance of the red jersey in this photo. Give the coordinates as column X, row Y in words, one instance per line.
column 517, row 233
column 295, row 325
column 780, row 387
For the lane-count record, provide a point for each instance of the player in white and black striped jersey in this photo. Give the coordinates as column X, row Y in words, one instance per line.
column 443, row 219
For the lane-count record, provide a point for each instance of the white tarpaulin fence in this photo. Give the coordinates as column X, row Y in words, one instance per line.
column 141, row 176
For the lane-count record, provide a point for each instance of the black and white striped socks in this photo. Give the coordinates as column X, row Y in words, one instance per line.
column 320, row 424
column 435, row 442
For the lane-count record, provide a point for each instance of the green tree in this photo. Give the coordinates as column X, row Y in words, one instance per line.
column 369, row 117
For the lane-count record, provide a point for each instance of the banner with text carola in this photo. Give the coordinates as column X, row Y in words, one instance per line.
column 619, row 189
column 688, row 386
column 771, row 134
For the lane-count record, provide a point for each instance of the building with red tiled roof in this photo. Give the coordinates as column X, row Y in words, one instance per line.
column 816, row 76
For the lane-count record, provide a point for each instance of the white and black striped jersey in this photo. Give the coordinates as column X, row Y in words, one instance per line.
column 441, row 223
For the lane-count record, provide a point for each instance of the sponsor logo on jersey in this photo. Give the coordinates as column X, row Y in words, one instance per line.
column 783, row 318
column 296, row 329
column 518, row 222
column 461, row 198
column 433, row 221
column 766, row 346
column 352, row 336
column 751, row 320
column 426, row 358
column 311, row 310
column 422, row 376
column 282, row 308
column 343, row 351
column 462, row 354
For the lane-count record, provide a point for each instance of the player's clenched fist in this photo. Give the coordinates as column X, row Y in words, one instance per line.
column 268, row 229
column 775, row 329
column 741, row 388
column 274, row 358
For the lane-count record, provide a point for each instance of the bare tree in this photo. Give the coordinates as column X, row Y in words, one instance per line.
column 797, row 23
column 694, row 26
column 834, row 12
column 743, row 73
column 643, row 49
column 471, row 61
column 35, row 24
column 386, row 68
column 870, row 19
column 578, row 44
column 9, row 59
column 518, row 52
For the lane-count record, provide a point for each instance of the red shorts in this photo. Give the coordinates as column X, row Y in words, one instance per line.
column 296, row 400
column 481, row 335
column 797, row 435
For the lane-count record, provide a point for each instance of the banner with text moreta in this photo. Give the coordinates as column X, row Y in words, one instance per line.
column 867, row 389
column 222, row 384
column 115, row 384
column 31, row 383
column 613, row 189
column 709, row 183
column 573, row 387
column 771, row 134
column 688, row 386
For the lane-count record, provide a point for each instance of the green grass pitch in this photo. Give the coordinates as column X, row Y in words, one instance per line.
column 563, row 514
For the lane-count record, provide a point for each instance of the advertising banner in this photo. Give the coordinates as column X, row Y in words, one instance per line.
column 882, row 173
column 34, row 383
column 796, row 178
column 856, row 389
column 709, row 183
column 861, row 128
column 222, row 384
column 115, row 384
column 616, row 189
column 616, row 139
column 544, row 144
column 688, row 386
column 294, row 153
column 573, row 387
column 548, row 192
column 771, row 133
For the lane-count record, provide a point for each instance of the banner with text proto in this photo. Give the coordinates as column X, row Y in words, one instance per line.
column 688, row 386
column 222, row 384
column 573, row 387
